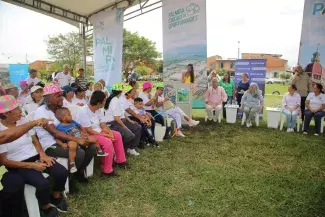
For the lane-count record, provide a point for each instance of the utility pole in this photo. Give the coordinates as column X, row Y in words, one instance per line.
column 26, row 59
column 238, row 56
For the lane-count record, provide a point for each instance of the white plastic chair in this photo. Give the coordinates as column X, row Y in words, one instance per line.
column 257, row 119
column 283, row 120
column 321, row 125
column 219, row 118
column 159, row 132
column 31, row 200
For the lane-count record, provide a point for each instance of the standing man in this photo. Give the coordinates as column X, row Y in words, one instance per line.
column 32, row 79
column 81, row 80
column 63, row 78
column 304, row 86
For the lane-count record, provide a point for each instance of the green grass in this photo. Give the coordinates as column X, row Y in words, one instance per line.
column 270, row 88
column 223, row 170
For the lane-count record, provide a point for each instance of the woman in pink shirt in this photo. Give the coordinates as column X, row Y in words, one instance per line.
column 291, row 107
column 214, row 97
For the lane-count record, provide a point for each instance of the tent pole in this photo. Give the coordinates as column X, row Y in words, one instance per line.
column 84, row 48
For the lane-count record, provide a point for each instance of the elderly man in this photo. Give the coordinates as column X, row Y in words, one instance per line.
column 63, row 78
column 214, row 97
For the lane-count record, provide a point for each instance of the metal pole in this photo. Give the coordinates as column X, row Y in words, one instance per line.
column 84, row 48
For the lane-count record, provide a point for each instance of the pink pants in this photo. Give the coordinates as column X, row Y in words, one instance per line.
column 110, row 146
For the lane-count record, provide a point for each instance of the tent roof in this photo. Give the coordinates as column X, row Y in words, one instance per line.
column 72, row 11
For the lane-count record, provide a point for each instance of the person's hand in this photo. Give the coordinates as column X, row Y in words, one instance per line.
column 64, row 145
column 132, row 122
column 49, row 161
column 166, row 100
column 43, row 122
column 80, row 104
column 260, row 108
column 38, row 166
column 149, row 124
column 142, row 120
column 82, row 142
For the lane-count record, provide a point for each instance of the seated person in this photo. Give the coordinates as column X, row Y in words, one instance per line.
column 36, row 96
column 26, row 158
column 291, row 107
column 68, row 94
column 214, row 97
column 72, row 128
column 252, row 102
column 173, row 111
column 90, row 90
column 79, row 97
column 315, row 105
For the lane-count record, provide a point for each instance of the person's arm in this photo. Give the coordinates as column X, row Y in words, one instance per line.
column 284, row 102
column 183, row 78
column 106, row 130
column 128, row 119
column 308, row 105
column 14, row 133
column 243, row 99
column 224, row 96
column 24, row 165
column 294, row 79
column 261, row 99
column 207, row 95
column 233, row 90
column 135, row 115
column 62, row 136
column 43, row 157
column 120, row 122
column 309, row 85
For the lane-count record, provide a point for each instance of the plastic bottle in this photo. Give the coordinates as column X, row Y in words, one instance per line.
column 273, row 105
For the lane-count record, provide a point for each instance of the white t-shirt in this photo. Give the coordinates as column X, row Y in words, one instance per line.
column 76, row 101
column 68, row 104
column 45, row 138
column 86, row 118
column 88, row 94
column 316, row 102
column 145, row 98
column 63, row 79
column 20, row 149
column 22, row 98
column 114, row 109
column 127, row 104
column 29, row 108
column 32, row 80
column 160, row 99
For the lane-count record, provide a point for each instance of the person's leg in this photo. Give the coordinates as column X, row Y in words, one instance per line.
column 12, row 195
column 118, row 147
column 218, row 110
column 302, row 107
column 294, row 117
column 107, row 146
column 177, row 117
column 158, row 118
column 223, row 110
column 252, row 114
column 308, row 116
column 85, row 156
column 318, row 116
column 127, row 136
column 288, row 115
column 73, row 146
column 247, row 111
column 136, row 130
column 209, row 110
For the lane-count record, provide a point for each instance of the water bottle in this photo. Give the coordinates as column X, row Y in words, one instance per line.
column 279, row 107
column 273, row 105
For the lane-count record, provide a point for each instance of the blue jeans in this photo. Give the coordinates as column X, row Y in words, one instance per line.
column 291, row 117
column 317, row 116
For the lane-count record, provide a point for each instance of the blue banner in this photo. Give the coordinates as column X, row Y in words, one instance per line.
column 255, row 69
column 18, row 72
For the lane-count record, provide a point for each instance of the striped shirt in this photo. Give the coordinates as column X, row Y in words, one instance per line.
column 82, row 82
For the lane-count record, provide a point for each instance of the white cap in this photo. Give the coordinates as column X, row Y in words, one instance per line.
column 34, row 88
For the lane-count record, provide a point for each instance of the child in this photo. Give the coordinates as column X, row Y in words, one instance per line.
column 90, row 90
column 72, row 128
column 146, row 126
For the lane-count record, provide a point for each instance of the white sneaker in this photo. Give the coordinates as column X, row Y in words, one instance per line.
column 193, row 123
column 316, row 134
column 248, row 124
column 133, row 152
column 215, row 119
column 289, row 130
column 180, row 134
column 305, row 133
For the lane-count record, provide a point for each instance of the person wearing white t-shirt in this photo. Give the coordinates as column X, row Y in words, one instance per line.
column 315, row 105
column 32, row 79
column 53, row 99
column 68, row 95
column 116, row 118
column 110, row 141
column 37, row 96
column 79, row 97
column 26, row 157
column 63, row 78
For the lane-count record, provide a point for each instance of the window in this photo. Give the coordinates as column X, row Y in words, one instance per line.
column 212, row 65
column 221, row 65
column 231, row 65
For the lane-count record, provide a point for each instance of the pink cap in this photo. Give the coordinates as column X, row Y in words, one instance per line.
column 146, row 85
column 52, row 89
column 8, row 103
column 22, row 83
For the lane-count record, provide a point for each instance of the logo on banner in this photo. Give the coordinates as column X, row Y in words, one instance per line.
column 107, row 51
column 183, row 16
column 100, row 25
column 319, row 8
column 119, row 13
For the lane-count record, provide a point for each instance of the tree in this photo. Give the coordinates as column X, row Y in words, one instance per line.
column 142, row 70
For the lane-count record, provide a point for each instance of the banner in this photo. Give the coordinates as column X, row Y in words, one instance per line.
column 256, row 70
column 108, row 45
column 185, row 42
column 18, row 72
column 312, row 42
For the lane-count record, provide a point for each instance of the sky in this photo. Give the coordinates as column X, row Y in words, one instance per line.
column 261, row 26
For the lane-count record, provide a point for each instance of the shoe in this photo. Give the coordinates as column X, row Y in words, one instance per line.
column 167, row 137
column 305, row 132
column 100, row 153
column 215, row 119
column 248, row 124
column 193, row 123
column 112, row 174
column 60, row 204
column 133, row 152
column 124, row 165
column 80, row 177
column 50, row 212
column 156, row 145
column 289, row 130
column 292, row 130
column 73, row 189
column 180, row 134
column 316, row 134
column 73, row 168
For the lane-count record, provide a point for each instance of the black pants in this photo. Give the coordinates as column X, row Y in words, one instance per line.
column 131, row 137
column 160, row 120
column 147, row 134
column 302, row 107
column 12, row 195
column 83, row 157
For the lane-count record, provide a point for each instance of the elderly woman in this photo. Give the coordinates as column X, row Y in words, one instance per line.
column 26, row 157
column 214, row 97
column 291, row 107
column 242, row 87
column 37, row 96
column 252, row 102
column 115, row 117
column 53, row 99
column 11, row 183
column 315, row 105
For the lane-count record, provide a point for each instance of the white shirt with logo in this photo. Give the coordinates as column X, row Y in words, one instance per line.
column 315, row 102
column 32, row 80
column 114, row 109
column 63, row 79
column 87, row 118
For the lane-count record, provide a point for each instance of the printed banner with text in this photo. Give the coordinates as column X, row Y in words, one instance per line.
column 185, row 42
column 108, row 45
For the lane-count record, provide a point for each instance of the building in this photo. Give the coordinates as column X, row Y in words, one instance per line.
column 275, row 65
column 40, row 65
column 218, row 64
column 315, row 69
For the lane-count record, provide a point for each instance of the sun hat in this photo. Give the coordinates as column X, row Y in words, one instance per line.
column 68, row 89
column 160, row 85
column 51, row 89
column 8, row 103
column 146, row 85
column 23, row 82
column 117, row 87
column 127, row 88
column 10, row 86
column 34, row 88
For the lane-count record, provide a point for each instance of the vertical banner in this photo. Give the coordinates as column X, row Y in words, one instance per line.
column 312, row 42
column 256, row 70
column 108, row 45
column 18, row 72
column 185, row 42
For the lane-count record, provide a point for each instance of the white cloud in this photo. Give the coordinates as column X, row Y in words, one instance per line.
column 270, row 26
